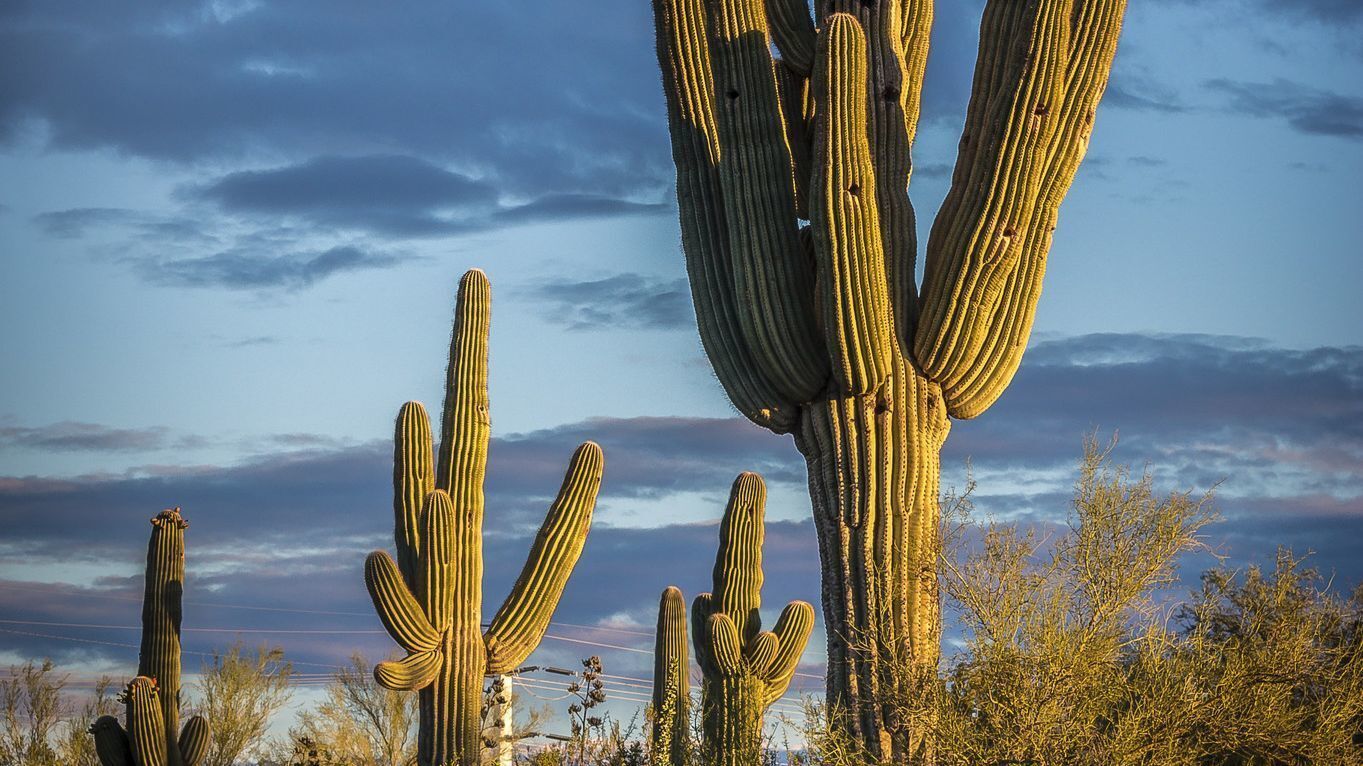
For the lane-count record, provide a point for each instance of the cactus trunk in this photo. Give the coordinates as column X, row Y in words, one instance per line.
column 800, row 243
column 671, row 682
column 873, row 476
column 153, row 736
column 732, row 721
column 431, row 599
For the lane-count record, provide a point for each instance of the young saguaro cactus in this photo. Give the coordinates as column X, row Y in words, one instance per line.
column 153, row 736
column 745, row 668
column 818, row 329
column 671, row 682
column 430, row 599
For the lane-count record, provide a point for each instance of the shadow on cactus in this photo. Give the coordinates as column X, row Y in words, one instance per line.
column 430, row 598
column 153, row 697
column 745, row 668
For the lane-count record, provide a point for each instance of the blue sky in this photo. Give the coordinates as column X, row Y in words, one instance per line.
column 230, row 234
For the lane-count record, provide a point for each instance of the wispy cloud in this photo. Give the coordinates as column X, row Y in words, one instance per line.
column 626, row 300
column 288, row 529
column 72, row 436
column 1309, row 110
column 395, row 196
column 250, row 270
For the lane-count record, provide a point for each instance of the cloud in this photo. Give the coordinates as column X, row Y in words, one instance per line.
column 391, row 194
column 1142, row 94
column 622, row 300
column 1327, row 12
column 394, row 196
column 71, row 436
column 561, row 207
column 74, row 223
column 189, row 249
column 253, row 270
column 173, row 82
column 276, row 541
column 1306, row 109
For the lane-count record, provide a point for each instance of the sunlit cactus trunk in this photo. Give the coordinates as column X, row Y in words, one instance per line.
column 430, row 599
column 671, row 683
column 801, row 243
column 153, row 736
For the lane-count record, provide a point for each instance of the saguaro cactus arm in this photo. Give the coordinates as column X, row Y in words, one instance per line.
column 986, row 265
column 146, row 727
column 522, row 619
column 853, row 295
column 430, row 598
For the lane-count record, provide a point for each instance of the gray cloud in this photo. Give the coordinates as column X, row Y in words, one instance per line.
column 622, row 300
column 249, row 269
column 1143, row 95
column 394, row 196
column 177, row 249
column 71, row 436
column 391, row 194
column 73, row 223
column 561, row 207
column 287, row 530
column 1318, row 11
column 180, row 83
column 1307, row 110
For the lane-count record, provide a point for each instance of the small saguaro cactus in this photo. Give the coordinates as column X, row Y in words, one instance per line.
column 153, row 697
column 430, row 599
column 671, row 682
column 745, row 668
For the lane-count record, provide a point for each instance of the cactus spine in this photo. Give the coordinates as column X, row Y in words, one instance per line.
column 430, row 599
column 745, row 668
column 671, row 682
column 153, row 697
column 819, row 330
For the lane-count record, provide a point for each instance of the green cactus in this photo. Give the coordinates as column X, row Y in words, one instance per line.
column 819, row 330
column 153, row 697
column 430, row 599
column 745, row 668
column 671, row 682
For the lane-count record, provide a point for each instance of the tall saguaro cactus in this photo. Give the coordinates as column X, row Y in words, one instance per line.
column 671, row 682
column 745, row 668
column 819, row 329
column 153, row 736
column 430, row 599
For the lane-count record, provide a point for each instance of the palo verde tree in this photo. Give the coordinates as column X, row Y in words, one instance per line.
column 800, row 242
column 431, row 598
